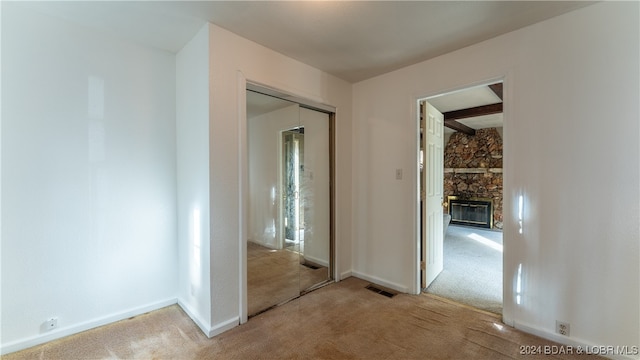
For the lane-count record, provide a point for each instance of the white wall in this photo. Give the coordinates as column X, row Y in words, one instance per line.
column 235, row 60
column 192, row 137
column 88, row 178
column 571, row 140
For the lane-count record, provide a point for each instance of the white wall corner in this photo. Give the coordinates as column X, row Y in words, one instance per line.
column 207, row 329
column 202, row 324
column 345, row 275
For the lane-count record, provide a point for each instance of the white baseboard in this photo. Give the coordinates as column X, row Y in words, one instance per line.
column 209, row 330
column 223, row 326
column 569, row 341
column 382, row 282
column 344, row 275
column 316, row 260
column 202, row 324
column 84, row 326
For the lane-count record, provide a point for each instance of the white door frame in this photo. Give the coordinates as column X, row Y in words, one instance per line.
column 506, row 192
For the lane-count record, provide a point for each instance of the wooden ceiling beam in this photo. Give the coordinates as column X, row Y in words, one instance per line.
column 452, row 124
column 450, row 117
column 497, row 89
column 473, row 112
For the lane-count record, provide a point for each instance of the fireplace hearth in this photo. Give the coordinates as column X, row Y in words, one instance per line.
column 471, row 211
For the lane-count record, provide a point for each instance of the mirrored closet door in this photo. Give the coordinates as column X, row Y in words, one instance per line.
column 289, row 229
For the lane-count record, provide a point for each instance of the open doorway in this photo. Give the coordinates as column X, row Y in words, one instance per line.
column 292, row 213
column 469, row 187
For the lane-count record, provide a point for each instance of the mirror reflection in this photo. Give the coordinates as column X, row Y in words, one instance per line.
column 288, row 245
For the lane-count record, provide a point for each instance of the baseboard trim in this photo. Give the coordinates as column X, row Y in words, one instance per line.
column 223, row 326
column 568, row 341
column 202, row 324
column 209, row 330
column 344, row 275
column 379, row 281
column 317, row 260
column 84, row 326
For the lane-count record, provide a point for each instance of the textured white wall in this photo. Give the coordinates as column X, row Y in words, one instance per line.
column 233, row 61
column 571, row 140
column 192, row 137
column 88, row 178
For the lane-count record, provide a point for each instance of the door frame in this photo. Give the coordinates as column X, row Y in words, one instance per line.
column 282, row 233
column 244, row 84
column 506, row 191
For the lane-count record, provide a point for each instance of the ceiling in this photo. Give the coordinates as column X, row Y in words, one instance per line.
column 470, row 98
column 353, row 40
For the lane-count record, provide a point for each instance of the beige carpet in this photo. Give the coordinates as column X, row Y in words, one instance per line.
column 275, row 276
column 339, row 321
column 472, row 272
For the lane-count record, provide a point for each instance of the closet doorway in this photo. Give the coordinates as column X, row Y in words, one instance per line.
column 289, row 232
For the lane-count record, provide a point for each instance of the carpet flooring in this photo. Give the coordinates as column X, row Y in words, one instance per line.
column 339, row 321
column 472, row 272
column 275, row 276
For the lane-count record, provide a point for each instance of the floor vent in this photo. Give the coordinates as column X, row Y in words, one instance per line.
column 380, row 291
column 310, row 266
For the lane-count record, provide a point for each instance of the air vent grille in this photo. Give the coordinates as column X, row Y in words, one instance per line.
column 380, row 291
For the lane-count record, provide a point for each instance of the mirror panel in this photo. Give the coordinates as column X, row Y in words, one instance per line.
column 315, row 200
column 272, row 262
column 289, row 218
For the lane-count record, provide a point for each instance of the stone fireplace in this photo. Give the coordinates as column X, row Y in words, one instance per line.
column 472, row 211
column 473, row 178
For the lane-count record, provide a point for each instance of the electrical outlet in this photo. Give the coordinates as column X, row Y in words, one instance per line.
column 51, row 323
column 398, row 174
column 562, row 328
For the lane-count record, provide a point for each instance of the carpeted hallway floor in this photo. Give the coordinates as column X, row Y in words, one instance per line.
column 338, row 321
column 472, row 272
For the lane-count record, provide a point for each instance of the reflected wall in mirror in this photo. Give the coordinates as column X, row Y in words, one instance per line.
column 288, row 244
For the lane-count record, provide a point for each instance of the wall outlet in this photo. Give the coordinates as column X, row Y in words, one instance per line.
column 562, row 328
column 51, row 323
column 398, row 174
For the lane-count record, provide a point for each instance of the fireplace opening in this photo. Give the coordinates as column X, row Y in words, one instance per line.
column 471, row 211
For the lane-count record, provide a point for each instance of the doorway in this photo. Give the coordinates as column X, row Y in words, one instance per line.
column 292, row 212
column 289, row 237
column 467, row 179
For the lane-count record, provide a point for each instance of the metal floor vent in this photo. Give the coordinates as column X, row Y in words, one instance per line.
column 380, row 291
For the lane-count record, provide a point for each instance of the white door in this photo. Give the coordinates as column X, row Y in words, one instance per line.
column 432, row 188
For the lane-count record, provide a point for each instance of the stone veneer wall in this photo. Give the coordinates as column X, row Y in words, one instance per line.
column 473, row 168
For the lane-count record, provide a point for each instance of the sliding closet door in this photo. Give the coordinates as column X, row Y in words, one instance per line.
column 289, row 207
column 275, row 151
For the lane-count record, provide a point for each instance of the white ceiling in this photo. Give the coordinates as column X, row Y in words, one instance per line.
column 469, row 98
column 353, row 40
column 464, row 99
